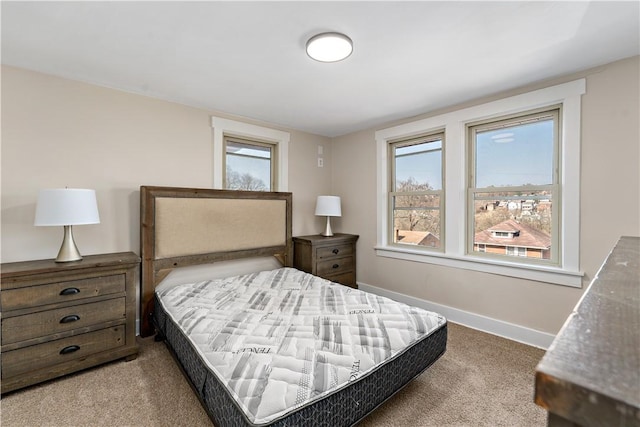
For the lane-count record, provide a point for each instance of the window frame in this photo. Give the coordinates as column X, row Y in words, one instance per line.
column 567, row 272
column 555, row 112
column 406, row 142
column 225, row 127
column 273, row 159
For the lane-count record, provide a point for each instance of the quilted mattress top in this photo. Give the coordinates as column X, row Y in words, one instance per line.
column 282, row 339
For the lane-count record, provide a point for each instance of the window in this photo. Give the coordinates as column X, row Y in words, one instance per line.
column 242, row 153
column 487, row 172
column 416, row 196
column 516, row 251
column 249, row 165
column 513, row 186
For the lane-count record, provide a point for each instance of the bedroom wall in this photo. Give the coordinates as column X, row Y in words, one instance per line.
column 610, row 194
column 58, row 132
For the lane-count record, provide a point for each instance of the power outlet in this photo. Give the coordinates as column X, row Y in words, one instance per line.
column 320, row 162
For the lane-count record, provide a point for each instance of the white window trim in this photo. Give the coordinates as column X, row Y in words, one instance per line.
column 454, row 123
column 222, row 127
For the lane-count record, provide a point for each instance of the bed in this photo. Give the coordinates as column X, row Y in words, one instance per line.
column 261, row 343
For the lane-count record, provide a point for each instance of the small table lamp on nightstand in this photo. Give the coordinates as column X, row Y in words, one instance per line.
column 328, row 206
column 67, row 207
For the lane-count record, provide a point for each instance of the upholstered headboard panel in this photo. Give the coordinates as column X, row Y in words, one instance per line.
column 186, row 226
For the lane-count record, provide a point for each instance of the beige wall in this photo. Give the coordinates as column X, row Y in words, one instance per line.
column 58, row 132
column 610, row 194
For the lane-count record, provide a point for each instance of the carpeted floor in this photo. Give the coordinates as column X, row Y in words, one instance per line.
column 482, row 380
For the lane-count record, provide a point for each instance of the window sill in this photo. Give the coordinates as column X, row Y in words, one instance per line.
column 552, row 275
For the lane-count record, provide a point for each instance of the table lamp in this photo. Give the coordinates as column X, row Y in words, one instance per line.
column 67, row 207
column 328, row 206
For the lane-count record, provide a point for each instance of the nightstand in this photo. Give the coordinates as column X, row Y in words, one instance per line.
column 333, row 258
column 59, row 318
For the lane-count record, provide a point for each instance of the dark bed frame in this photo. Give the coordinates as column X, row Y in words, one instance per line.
column 344, row 407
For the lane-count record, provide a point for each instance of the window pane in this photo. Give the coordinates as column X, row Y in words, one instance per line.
column 416, row 225
column 515, row 156
column 418, row 167
column 249, row 167
column 513, row 224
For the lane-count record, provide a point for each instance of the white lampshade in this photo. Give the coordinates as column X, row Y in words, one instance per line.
column 328, row 206
column 67, row 206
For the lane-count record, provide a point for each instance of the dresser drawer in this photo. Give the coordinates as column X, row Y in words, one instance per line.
column 334, row 251
column 334, row 266
column 33, row 296
column 43, row 323
column 39, row 356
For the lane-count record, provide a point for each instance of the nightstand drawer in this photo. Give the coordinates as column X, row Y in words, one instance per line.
column 29, row 359
column 71, row 290
column 43, row 323
column 335, row 266
column 347, row 279
column 334, row 251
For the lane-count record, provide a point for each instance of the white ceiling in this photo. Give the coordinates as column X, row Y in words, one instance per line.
column 248, row 58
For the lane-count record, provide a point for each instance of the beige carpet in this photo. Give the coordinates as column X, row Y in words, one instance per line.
column 482, row 380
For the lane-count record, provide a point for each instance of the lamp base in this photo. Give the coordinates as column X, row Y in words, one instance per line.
column 327, row 231
column 68, row 251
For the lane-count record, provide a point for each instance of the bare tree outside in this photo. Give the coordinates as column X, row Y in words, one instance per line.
column 245, row 181
column 416, row 212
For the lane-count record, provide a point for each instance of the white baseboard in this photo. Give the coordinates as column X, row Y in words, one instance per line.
column 482, row 323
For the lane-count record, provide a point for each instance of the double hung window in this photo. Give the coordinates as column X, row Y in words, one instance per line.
column 511, row 169
column 513, row 187
column 249, row 157
column 416, row 196
column 249, row 165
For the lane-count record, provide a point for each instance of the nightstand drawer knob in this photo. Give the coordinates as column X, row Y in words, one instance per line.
column 69, row 319
column 336, row 265
column 70, row 349
column 70, row 291
column 335, row 251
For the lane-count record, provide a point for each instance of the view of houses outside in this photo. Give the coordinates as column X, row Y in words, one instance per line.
column 513, row 176
column 513, row 180
column 514, row 227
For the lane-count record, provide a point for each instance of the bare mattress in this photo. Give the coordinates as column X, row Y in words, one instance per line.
column 286, row 348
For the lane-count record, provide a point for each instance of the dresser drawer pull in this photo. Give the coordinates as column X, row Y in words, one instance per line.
column 335, row 265
column 335, row 251
column 69, row 319
column 70, row 291
column 70, row 349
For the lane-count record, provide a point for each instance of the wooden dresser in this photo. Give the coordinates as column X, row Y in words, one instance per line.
column 333, row 258
column 59, row 318
column 590, row 376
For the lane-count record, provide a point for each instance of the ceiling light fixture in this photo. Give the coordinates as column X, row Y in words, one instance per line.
column 329, row 47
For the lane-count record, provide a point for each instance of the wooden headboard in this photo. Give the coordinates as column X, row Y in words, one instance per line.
column 189, row 226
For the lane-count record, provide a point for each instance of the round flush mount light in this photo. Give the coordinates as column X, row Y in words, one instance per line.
column 329, row 47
